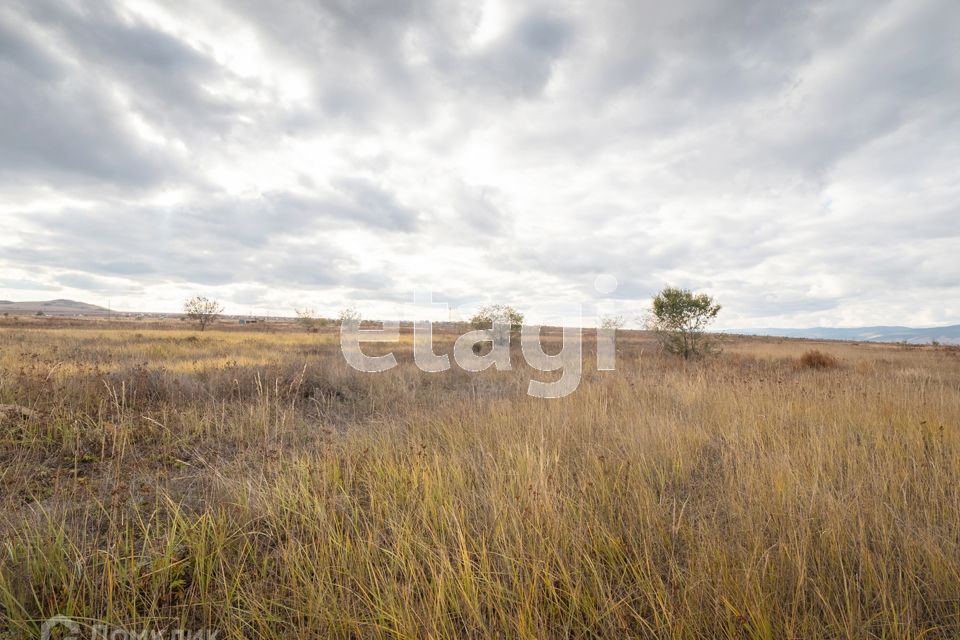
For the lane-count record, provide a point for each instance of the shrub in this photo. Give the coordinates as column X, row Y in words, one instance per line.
column 308, row 319
column 815, row 359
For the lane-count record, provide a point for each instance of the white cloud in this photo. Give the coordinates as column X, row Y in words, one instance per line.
column 797, row 160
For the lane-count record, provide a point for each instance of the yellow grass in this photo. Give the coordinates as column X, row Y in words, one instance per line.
column 250, row 482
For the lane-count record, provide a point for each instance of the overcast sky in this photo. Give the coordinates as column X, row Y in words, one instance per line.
column 798, row 160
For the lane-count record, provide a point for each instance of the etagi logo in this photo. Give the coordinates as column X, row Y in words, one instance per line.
column 61, row 627
column 568, row 361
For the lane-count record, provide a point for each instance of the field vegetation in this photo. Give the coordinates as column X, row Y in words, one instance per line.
column 252, row 483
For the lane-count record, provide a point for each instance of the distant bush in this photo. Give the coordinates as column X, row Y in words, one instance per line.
column 309, row 320
column 500, row 320
column 815, row 359
column 350, row 316
column 611, row 321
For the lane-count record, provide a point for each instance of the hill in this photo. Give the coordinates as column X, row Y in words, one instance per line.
column 52, row 308
column 946, row 335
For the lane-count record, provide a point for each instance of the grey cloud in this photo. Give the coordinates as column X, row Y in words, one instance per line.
column 777, row 90
column 385, row 64
column 354, row 51
column 26, row 285
column 520, row 62
column 351, row 201
column 366, row 201
column 801, row 148
column 233, row 240
column 75, row 76
column 701, row 50
column 470, row 215
column 899, row 70
column 165, row 79
column 249, row 295
column 80, row 281
column 94, row 284
column 774, row 299
column 720, row 243
column 20, row 53
column 55, row 126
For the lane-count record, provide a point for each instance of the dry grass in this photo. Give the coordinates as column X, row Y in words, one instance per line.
column 253, row 483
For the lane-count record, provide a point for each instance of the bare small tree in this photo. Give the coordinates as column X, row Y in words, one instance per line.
column 680, row 319
column 350, row 316
column 203, row 310
column 610, row 321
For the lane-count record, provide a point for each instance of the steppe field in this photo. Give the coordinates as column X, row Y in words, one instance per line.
column 251, row 483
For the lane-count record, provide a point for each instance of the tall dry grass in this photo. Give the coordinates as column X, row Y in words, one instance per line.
column 254, row 484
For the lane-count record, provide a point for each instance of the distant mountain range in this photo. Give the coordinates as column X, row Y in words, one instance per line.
column 52, row 308
column 943, row 335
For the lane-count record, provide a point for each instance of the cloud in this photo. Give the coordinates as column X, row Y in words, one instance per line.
column 56, row 125
column 163, row 79
column 366, row 202
column 275, row 239
column 796, row 159
column 520, row 62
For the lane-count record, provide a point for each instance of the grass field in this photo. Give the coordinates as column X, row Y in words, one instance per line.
column 252, row 483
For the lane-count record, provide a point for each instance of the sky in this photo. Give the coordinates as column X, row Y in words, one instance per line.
column 799, row 161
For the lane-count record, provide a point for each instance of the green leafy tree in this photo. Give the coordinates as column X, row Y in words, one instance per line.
column 202, row 310
column 680, row 319
column 499, row 314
